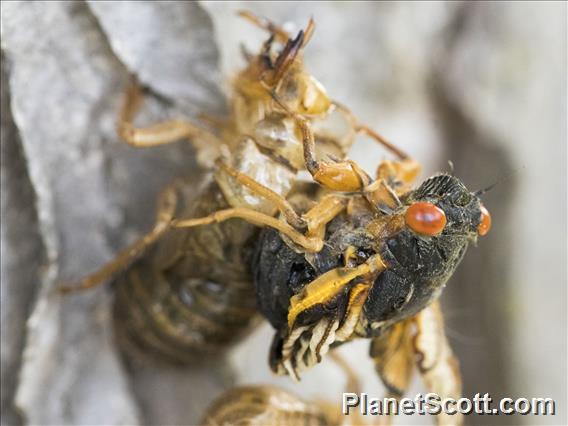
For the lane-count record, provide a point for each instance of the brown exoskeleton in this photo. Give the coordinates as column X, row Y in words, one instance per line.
column 267, row 405
column 343, row 257
column 261, row 405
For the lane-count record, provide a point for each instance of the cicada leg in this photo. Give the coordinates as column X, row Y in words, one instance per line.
column 405, row 169
column 307, row 230
column 393, row 177
column 343, row 176
column 315, row 219
column 316, row 318
column 162, row 133
column 167, row 202
column 292, row 217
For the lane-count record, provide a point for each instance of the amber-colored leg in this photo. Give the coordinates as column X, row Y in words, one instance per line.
column 404, row 170
column 361, row 128
column 315, row 219
column 161, row 133
column 280, row 202
column 343, row 176
column 357, row 299
column 393, row 178
column 305, row 344
column 167, row 202
column 313, row 222
column 322, row 213
column 381, row 195
column 310, row 244
column 393, row 355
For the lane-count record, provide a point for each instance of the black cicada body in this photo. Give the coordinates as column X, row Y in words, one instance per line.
column 421, row 243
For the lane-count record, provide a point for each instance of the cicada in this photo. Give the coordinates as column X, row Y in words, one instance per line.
column 328, row 260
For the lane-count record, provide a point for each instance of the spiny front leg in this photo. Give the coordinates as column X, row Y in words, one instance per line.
column 258, row 219
column 291, row 216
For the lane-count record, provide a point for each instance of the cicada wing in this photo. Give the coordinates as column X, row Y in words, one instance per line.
column 393, row 355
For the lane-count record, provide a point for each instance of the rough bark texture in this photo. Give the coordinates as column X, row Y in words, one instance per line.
column 481, row 84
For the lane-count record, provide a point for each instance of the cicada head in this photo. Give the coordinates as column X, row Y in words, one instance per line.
column 440, row 218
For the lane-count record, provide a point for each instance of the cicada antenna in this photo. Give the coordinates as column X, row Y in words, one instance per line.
column 497, row 182
column 485, row 190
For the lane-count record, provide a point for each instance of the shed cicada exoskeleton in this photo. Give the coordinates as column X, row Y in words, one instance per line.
column 344, row 256
column 261, row 405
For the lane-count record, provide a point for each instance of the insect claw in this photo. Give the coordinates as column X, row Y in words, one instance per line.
column 291, row 370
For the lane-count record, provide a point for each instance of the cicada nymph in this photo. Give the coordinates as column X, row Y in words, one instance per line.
column 325, row 261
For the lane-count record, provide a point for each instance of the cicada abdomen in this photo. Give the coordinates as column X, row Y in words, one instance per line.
column 190, row 296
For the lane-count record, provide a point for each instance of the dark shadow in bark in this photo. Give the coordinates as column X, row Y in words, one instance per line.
column 22, row 253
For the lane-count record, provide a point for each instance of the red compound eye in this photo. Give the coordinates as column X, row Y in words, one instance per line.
column 425, row 218
column 485, row 223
